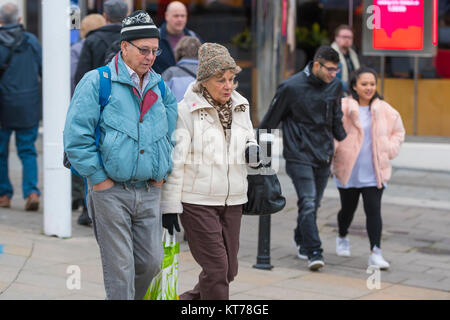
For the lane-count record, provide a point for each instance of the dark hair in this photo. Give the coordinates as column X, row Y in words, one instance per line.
column 326, row 53
column 342, row 27
column 354, row 78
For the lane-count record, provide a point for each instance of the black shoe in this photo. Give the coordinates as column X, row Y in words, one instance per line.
column 315, row 262
column 84, row 219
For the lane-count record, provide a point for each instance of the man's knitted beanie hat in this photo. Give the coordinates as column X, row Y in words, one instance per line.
column 138, row 25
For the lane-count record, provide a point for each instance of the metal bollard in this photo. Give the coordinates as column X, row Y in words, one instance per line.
column 263, row 257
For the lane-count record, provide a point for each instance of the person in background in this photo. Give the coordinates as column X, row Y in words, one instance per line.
column 361, row 163
column 348, row 58
column 89, row 23
column 180, row 76
column 208, row 183
column 172, row 31
column 309, row 106
column 20, row 100
column 98, row 41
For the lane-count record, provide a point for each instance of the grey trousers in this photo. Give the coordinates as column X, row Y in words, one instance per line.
column 128, row 229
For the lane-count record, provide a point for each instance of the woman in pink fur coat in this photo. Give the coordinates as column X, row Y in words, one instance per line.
column 361, row 164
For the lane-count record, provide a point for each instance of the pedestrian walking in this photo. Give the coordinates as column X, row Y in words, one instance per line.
column 172, row 31
column 126, row 171
column 20, row 101
column 309, row 106
column 348, row 58
column 99, row 41
column 361, row 164
column 89, row 23
column 180, row 76
column 208, row 183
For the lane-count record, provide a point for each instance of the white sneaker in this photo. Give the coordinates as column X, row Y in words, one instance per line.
column 343, row 247
column 376, row 259
column 301, row 252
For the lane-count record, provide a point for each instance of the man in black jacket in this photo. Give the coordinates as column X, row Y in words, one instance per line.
column 308, row 105
column 98, row 41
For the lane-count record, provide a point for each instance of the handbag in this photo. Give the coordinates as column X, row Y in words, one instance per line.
column 164, row 285
column 264, row 193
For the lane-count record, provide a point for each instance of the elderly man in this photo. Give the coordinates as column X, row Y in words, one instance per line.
column 348, row 58
column 171, row 33
column 125, row 173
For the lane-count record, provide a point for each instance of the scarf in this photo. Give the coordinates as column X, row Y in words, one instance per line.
column 224, row 110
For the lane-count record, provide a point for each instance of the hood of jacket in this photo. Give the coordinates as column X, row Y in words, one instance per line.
column 109, row 28
column 12, row 34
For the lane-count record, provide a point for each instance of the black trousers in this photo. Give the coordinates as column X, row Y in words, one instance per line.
column 372, row 207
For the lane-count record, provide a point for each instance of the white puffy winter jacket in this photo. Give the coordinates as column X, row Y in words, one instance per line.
column 208, row 170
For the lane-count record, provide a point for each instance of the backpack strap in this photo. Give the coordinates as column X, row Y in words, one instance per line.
column 103, row 99
column 7, row 62
column 162, row 88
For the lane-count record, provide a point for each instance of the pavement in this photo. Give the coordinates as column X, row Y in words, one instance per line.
column 416, row 242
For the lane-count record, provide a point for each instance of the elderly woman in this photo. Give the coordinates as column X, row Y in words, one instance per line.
column 208, row 183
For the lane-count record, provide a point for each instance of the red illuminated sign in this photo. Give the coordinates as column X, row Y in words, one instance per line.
column 400, row 26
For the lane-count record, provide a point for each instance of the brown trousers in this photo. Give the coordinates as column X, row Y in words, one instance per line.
column 212, row 233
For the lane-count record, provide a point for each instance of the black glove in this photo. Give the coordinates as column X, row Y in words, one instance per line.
column 169, row 221
column 252, row 156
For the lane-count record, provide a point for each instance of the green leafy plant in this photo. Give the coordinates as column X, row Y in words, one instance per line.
column 313, row 37
column 243, row 40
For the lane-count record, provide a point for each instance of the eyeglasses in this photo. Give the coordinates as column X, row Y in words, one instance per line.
column 346, row 37
column 329, row 69
column 146, row 52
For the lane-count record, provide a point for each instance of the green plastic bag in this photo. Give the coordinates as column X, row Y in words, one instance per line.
column 164, row 285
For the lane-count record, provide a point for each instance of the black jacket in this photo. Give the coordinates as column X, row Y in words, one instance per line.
column 167, row 58
column 95, row 47
column 20, row 85
column 311, row 115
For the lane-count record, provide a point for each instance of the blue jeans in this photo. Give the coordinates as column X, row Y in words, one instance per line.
column 25, row 139
column 310, row 183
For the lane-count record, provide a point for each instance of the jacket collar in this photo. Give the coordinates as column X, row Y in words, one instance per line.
column 353, row 106
column 311, row 77
column 119, row 73
column 187, row 61
column 196, row 101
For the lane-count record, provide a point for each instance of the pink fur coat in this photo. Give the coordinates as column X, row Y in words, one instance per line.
column 388, row 134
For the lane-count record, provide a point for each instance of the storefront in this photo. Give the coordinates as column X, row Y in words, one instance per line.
column 237, row 23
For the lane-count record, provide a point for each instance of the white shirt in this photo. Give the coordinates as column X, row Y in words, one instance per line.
column 136, row 81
